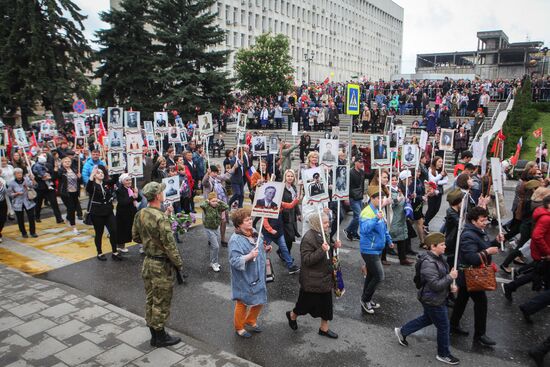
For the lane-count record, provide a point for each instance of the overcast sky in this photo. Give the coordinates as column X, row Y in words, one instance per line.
column 447, row 27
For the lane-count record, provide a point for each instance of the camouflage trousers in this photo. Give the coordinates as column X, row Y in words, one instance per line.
column 158, row 278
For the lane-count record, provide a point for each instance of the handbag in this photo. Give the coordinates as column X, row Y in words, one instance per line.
column 269, row 274
column 31, row 194
column 481, row 278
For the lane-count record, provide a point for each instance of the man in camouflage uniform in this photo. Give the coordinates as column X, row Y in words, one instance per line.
column 152, row 228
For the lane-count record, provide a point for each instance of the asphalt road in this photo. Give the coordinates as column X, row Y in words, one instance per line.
column 203, row 310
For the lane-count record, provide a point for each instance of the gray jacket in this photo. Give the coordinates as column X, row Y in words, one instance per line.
column 435, row 279
column 21, row 200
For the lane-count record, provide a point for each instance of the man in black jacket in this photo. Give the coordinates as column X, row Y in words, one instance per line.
column 45, row 190
column 357, row 178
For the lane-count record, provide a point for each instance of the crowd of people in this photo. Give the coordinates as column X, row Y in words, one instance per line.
column 390, row 208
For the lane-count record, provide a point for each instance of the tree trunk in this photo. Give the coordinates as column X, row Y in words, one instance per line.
column 58, row 117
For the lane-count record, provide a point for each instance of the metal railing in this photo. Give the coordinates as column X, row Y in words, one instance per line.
column 487, row 124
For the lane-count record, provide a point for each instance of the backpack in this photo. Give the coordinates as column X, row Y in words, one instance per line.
column 417, row 278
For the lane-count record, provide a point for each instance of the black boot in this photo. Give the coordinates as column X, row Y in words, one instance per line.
column 540, row 351
column 153, row 337
column 165, row 340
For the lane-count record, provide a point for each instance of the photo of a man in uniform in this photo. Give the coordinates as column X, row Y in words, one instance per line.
column 132, row 122
column 115, row 117
column 328, row 156
column 160, row 119
column 409, row 156
column 171, row 190
column 316, row 187
column 267, row 202
column 341, row 179
column 380, row 149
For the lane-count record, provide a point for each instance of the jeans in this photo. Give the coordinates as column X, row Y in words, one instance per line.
column 480, row 309
column 402, row 108
column 100, row 222
column 356, row 207
column 280, row 241
column 375, row 274
column 537, row 303
column 238, row 194
column 438, row 316
column 214, row 240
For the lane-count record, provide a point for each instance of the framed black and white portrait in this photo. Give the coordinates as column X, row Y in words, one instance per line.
column 135, row 165
column 259, row 145
column 161, row 122
column 273, row 144
column 340, row 185
column 380, row 155
column 115, row 137
column 80, row 128
column 446, row 139
column 148, row 127
column 171, row 191
column 241, row 122
column 134, row 143
column 315, row 185
column 115, row 117
column 409, row 155
column 132, row 120
column 267, row 200
column 115, row 160
column 328, row 152
column 20, row 138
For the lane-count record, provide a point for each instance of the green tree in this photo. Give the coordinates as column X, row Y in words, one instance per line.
column 190, row 72
column 264, row 69
column 127, row 68
column 44, row 56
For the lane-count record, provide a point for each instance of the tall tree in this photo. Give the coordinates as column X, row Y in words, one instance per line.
column 190, row 68
column 46, row 56
column 264, row 69
column 127, row 66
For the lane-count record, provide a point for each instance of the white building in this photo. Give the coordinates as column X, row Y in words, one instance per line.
column 344, row 38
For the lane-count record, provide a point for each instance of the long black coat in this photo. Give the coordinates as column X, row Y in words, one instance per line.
column 125, row 213
column 316, row 270
column 290, row 218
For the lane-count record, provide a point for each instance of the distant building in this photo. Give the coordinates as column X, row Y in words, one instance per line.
column 350, row 38
column 495, row 58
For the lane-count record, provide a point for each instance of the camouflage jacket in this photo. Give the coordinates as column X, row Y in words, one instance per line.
column 212, row 217
column 153, row 229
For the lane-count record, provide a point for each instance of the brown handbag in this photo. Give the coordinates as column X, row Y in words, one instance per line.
column 481, row 278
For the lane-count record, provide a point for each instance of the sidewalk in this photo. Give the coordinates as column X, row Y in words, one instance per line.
column 47, row 324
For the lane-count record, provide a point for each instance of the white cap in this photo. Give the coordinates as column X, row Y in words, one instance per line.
column 405, row 174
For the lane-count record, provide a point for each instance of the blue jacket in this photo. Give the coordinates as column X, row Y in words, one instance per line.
column 88, row 167
column 373, row 232
column 247, row 277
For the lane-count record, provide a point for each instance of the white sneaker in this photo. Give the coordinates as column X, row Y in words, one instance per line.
column 215, row 267
column 125, row 250
column 76, row 232
column 141, row 249
column 367, row 307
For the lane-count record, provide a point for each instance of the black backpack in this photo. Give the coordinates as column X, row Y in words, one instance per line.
column 417, row 278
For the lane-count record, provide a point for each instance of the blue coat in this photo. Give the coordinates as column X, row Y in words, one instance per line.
column 247, row 277
column 373, row 232
column 88, row 167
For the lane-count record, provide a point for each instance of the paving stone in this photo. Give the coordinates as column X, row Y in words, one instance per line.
column 59, row 310
column 160, row 357
column 124, row 312
column 202, row 360
column 96, row 300
column 100, row 333
column 20, row 363
column 89, row 313
column 51, row 294
column 79, row 353
column 47, row 347
column 185, row 349
column 67, row 330
column 34, row 327
column 28, row 308
column 120, row 355
column 115, row 318
column 12, row 342
column 136, row 336
column 9, row 305
column 9, row 322
column 60, row 364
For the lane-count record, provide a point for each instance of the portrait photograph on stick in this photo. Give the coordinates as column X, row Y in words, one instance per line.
column 380, row 156
column 20, row 137
column 328, row 152
column 80, row 128
column 132, row 120
column 315, row 185
column 340, row 186
column 241, row 122
column 160, row 120
column 148, row 127
column 115, row 160
column 259, row 145
column 171, row 191
column 446, row 139
column 115, row 139
column 267, row 200
column 114, row 117
column 135, row 165
column 409, row 155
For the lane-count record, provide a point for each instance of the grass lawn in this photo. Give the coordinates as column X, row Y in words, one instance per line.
column 530, row 144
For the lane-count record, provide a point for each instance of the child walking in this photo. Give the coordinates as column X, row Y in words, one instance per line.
column 212, row 218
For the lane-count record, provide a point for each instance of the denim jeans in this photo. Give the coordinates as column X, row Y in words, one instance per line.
column 438, row 316
column 280, row 241
column 375, row 274
column 356, row 206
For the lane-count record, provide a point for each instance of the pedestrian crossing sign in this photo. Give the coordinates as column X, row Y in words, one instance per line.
column 352, row 99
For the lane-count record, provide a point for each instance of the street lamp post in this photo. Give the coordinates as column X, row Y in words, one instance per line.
column 308, row 56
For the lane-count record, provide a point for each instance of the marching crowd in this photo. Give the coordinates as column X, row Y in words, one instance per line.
column 389, row 209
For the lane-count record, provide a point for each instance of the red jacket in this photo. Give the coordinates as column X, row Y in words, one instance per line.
column 540, row 238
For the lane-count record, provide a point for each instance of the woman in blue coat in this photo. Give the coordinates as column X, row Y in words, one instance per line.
column 247, row 263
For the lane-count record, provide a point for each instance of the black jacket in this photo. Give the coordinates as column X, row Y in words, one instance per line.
column 435, row 279
column 472, row 241
column 356, row 184
column 316, row 270
column 101, row 200
column 451, row 230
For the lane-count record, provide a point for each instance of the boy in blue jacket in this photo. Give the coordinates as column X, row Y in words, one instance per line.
column 374, row 237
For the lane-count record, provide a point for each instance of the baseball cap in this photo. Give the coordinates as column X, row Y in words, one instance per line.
column 152, row 189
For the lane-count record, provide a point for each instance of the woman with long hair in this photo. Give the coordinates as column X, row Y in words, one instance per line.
column 69, row 190
column 291, row 216
column 437, row 175
column 126, row 209
column 101, row 212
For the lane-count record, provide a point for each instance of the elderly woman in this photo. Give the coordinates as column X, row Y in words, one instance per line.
column 18, row 191
column 311, row 208
column 316, row 281
column 69, row 189
column 127, row 199
column 247, row 263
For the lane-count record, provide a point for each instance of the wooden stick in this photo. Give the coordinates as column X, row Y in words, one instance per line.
column 460, row 224
column 379, row 188
column 322, row 229
column 337, row 224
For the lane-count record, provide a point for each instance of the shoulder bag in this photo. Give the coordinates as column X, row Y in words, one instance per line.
column 481, row 278
column 88, row 217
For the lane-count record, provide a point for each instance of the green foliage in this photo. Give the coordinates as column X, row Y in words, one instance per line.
column 520, row 119
column 44, row 56
column 263, row 69
column 188, row 65
column 530, row 144
column 127, row 68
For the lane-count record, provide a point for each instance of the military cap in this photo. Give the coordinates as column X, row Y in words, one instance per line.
column 434, row 238
column 454, row 197
column 152, row 189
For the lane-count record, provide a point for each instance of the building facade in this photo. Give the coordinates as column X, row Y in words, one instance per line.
column 343, row 39
column 495, row 58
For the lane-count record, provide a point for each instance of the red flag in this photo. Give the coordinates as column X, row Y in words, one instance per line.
column 326, row 80
column 538, row 132
column 33, row 148
column 514, row 159
column 500, row 137
column 102, row 133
